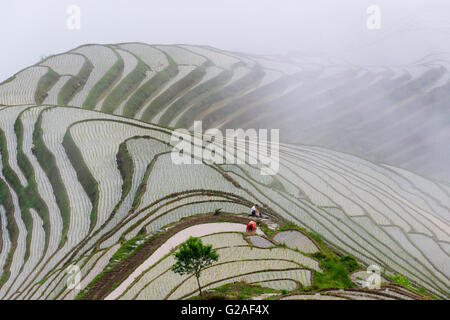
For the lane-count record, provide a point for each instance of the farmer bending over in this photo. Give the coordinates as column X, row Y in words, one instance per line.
column 251, row 227
column 255, row 211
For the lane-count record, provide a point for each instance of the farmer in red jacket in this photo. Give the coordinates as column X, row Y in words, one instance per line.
column 251, row 226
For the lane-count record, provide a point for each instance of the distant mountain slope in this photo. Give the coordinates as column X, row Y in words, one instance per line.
column 76, row 184
column 393, row 114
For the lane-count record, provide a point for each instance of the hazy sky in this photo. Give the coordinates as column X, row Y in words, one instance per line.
column 409, row 28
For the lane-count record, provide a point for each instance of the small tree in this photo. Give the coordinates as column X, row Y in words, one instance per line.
column 192, row 257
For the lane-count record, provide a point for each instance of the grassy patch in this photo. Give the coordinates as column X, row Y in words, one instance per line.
column 269, row 232
column 424, row 292
column 400, row 279
column 336, row 271
column 126, row 250
column 235, row 291
column 315, row 236
column 45, row 83
column 75, row 84
column 404, row 281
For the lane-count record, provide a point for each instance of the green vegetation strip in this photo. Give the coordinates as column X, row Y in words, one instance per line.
column 126, row 168
column 171, row 93
column 141, row 96
column 84, row 175
column 75, row 84
column 24, row 194
column 48, row 163
column 178, row 106
column 255, row 96
column 310, row 208
column 34, row 198
column 125, row 88
column 235, row 291
column 131, row 255
column 143, row 186
column 105, row 83
column 336, row 269
column 244, row 83
column 407, row 284
column 44, row 85
column 13, row 231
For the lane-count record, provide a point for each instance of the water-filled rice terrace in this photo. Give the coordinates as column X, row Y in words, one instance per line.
column 86, row 178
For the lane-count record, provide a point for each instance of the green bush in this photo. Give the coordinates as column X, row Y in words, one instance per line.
column 334, row 275
column 350, row 264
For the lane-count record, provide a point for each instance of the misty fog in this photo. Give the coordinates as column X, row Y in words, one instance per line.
column 398, row 114
column 409, row 29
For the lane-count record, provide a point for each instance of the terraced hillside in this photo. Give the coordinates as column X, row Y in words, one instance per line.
column 83, row 187
column 393, row 114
